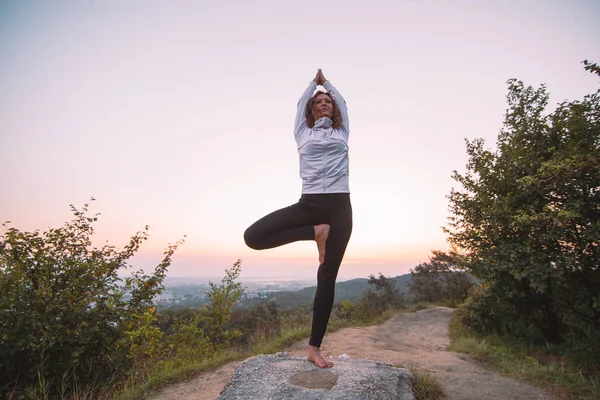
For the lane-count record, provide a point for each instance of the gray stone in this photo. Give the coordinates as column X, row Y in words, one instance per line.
column 314, row 380
column 280, row 376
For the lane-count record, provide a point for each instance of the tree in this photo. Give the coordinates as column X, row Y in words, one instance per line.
column 528, row 217
column 194, row 336
column 383, row 294
column 440, row 279
column 216, row 315
column 66, row 317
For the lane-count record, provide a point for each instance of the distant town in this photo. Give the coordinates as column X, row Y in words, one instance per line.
column 191, row 291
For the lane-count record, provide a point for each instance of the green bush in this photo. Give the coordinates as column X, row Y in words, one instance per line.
column 383, row 295
column 262, row 322
column 441, row 280
column 188, row 341
column 527, row 220
column 66, row 317
column 216, row 315
column 347, row 311
column 486, row 312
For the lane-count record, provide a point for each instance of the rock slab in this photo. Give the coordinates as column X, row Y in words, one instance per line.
column 282, row 377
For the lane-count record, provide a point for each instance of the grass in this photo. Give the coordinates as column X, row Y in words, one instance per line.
column 422, row 306
column 556, row 374
column 168, row 374
column 425, row 385
column 284, row 340
column 336, row 323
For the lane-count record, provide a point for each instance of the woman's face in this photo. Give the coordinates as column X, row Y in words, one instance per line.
column 323, row 106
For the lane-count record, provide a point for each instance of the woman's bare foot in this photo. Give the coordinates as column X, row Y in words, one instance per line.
column 315, row 356
column 321, row 233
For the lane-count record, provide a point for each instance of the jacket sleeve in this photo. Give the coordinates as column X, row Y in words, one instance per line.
column 300, row 116
column 341, row 103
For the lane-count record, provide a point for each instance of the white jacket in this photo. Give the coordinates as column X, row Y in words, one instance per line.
column 323, row 150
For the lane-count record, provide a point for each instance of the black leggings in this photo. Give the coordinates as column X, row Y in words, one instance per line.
column 296, row 222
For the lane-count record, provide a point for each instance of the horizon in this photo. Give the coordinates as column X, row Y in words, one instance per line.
column 263, row 279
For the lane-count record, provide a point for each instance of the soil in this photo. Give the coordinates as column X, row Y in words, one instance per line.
column 415, row 339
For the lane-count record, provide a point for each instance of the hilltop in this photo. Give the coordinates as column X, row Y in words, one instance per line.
column 181, row 293
column 351, row 290
column 414, row 340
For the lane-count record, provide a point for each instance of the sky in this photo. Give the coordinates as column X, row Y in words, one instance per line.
column 179, row 115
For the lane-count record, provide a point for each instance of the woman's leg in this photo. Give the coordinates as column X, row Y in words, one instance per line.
column 287, row 225
column 339, row 235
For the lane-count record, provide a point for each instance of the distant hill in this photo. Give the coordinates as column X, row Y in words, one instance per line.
column 348, row 290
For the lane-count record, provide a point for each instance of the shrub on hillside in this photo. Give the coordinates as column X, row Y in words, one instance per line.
column 66, row 317
column 195, row 336
column 349, row 311
column 487, row 312
column 527, row 218
column 261, row 322
column 442, row 279
column 383, row 294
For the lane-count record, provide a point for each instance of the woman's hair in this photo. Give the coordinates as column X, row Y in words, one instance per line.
column 309, row 113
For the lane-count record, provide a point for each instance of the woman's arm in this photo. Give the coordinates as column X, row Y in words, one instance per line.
column 300, row 112
column 339, row 100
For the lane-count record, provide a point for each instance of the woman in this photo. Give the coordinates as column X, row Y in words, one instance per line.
column 324, row 212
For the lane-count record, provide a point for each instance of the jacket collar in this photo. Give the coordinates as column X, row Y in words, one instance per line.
column 323, row 123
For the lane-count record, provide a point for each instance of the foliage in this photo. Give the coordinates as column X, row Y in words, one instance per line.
column 217, row 314
column 442, row 279
column 541, row 365
column 192, row 335
column 66, row 317
column 383, row 294
column 354, row 312
column 426, row 386
column 345, row 310
column 187, row 341
column 145, row 337
column 528, row 220
column 167, row 317
column 71, row 327
column 297, row 317
column 263, row 321
column 266, row 328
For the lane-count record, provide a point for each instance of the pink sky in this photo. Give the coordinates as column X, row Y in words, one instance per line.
column 179, row 115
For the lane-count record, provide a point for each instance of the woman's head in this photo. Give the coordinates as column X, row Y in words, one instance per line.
column 322, row 105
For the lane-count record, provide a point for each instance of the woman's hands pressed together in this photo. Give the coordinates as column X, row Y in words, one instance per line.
column 320, row 78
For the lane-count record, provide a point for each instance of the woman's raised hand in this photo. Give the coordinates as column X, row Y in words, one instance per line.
column 319, row 78
column 323, row 79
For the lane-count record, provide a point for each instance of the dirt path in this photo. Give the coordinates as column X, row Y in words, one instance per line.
column 410, row 339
